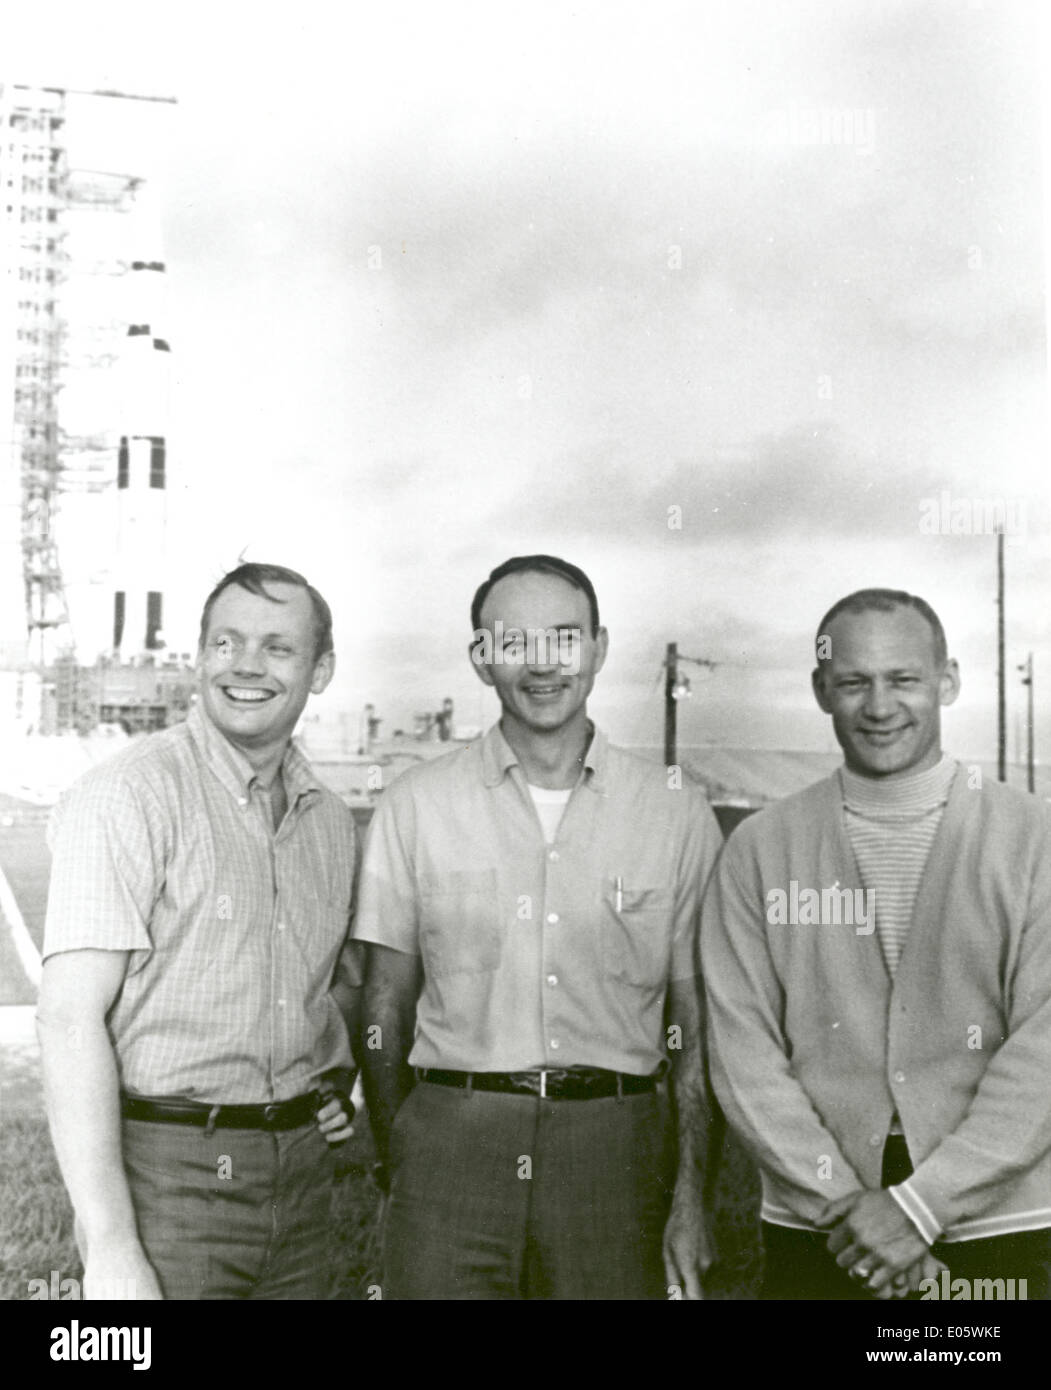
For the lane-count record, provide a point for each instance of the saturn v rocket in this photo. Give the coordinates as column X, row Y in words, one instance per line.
column 138, row 567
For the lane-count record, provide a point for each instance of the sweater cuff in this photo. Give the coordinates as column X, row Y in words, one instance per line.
column 917, row 1210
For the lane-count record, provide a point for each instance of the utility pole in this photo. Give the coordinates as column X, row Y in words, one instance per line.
column 1030, row 764
column 1001, row 687
column 671, row 676
column 677, row 688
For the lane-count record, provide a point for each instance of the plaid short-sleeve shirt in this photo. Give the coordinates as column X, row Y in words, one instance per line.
column 235, row 931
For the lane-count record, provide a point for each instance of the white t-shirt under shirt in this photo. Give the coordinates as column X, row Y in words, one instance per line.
column 550, row 806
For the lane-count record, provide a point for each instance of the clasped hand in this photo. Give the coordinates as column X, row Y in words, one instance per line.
column 872, row 1238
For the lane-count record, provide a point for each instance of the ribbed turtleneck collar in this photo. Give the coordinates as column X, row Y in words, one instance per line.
column 921, row 792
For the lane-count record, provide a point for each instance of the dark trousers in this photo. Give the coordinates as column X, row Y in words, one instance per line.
column 508, row 1197
column 238, row 1213
column 799, row 1265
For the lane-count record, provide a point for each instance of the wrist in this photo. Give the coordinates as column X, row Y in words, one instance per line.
column 922, row 1220
column 108, row 1238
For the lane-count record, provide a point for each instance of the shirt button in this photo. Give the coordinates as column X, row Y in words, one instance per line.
column 553, row 856
column 899, row 1076
column 554, row 1044
column 552, row 979
column 280, row 926
column 280, row 1003
column 242, row 801
column 552, row 918
column 875, row 1140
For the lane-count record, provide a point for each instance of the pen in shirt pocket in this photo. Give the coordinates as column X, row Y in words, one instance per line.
column 618, row 890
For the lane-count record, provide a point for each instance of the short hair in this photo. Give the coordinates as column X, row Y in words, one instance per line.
column 536, row 564
column 255, row 578
column 885, row 601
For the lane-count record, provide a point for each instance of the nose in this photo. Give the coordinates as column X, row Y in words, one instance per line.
column 248, row 660
column 541, row 653
column 880, row 702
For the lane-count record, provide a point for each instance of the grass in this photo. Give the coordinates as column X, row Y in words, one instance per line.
column 36, row 1222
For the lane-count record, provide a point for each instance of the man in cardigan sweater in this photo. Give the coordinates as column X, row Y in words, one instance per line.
column 877, row 957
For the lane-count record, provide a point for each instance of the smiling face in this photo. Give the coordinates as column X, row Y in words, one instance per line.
column 884, row 687
column 256, row 665
column 543, row 685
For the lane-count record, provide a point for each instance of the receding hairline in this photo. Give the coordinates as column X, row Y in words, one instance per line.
column 545, row 573
column 884, row 601
column 539, row 563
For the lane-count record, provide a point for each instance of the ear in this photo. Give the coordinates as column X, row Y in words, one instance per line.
column 601, row 648
column 480, row 652
column 817, row 682
column 949, row 685
column 324, row 668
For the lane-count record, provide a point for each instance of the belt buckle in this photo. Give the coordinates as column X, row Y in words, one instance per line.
column 271, row 1111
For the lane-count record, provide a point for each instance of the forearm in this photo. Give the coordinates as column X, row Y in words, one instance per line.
column 1007, row 1127
column 386, row 1075
column 81, row 1091
column 348, row 999
column 699, row 1126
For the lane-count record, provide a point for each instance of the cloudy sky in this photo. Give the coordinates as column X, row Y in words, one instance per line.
column 451, row 282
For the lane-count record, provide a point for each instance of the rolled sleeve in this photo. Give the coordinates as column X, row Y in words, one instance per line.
column 350, row 964
column 700, row 851
column 106, row 870
column 387, row 907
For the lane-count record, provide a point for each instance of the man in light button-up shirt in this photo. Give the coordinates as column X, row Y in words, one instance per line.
column 531, row 908
column 198, row 981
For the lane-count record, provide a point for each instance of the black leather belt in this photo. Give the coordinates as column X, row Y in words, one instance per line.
column 279, row 1114
column 550, row 1083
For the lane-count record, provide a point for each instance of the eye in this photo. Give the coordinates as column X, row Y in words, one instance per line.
column 280, row 649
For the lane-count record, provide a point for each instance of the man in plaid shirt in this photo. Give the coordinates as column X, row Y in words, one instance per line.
column 199, row 986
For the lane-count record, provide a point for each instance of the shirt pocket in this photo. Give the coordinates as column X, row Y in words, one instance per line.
column 636, row 934
column 461, row 927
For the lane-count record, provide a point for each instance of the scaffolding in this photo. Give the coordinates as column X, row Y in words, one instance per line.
column 33, row 179
column 46, row 205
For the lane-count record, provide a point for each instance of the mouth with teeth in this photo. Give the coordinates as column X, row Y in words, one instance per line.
column 544, row 690
column 247, row 694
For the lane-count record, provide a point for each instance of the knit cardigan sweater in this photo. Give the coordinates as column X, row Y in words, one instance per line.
column 813, row 1045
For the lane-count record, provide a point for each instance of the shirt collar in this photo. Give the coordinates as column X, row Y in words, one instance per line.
column 498, row 756
column 235, row 771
